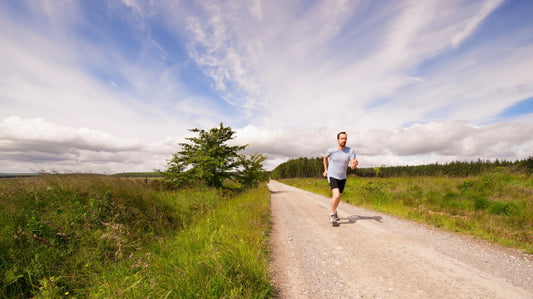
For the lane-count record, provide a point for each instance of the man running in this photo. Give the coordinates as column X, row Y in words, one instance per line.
column 336, row 162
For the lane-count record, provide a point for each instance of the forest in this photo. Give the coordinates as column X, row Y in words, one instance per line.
column 313, row 168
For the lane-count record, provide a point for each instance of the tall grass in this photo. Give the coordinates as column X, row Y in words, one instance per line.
column 496, row 206
column 223, row 256
column 72, row 235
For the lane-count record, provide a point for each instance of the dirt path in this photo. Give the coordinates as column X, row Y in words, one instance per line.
column 374, row 255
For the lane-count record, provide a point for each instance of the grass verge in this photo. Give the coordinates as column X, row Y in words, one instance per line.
column 91, row 236
column 223, row 256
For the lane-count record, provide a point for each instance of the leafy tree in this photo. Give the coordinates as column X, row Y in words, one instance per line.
column 251, row 170
column 209, row 159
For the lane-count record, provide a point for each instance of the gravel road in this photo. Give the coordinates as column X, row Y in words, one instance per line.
column 375, row 255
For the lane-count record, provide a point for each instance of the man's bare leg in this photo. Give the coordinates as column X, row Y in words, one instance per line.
column 335, row 199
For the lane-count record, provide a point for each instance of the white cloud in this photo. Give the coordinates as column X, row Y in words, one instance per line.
column 50, row 76
column 35, row 144
column 422, row 143
column 299, row 70
column 450, row 139
column 474, row 21
column 37, row 130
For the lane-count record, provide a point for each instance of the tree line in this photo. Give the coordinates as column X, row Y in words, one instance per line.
column 314, row 167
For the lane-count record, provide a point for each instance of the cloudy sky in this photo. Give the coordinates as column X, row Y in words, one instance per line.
column 112, row 86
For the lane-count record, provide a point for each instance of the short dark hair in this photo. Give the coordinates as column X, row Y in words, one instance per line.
column 339, row 135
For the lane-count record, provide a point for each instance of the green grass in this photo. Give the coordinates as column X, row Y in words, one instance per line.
column 497, row 206
column 97, row 236
column 223, row 256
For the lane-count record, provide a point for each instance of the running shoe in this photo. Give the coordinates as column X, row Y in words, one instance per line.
column 333, row 219
column 336, row 216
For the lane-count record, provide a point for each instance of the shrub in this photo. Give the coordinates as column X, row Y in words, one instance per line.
column 504, row 208
column 480, row 203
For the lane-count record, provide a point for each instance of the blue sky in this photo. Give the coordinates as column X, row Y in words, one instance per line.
column 111, row 86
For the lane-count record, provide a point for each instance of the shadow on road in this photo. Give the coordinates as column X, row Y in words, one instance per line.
column 355, row 218
column 276, row 192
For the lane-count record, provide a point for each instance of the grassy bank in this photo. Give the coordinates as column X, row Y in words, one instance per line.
column 96, row 236
column 497, row 206
column 224, row 255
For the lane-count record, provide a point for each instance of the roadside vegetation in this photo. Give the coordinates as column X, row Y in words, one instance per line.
column 93, row 236
column 224, row 255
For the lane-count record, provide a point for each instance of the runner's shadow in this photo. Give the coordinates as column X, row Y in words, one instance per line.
column 355, row 218
column 276, row 192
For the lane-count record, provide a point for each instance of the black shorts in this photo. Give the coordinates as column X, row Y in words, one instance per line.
column 335, row 183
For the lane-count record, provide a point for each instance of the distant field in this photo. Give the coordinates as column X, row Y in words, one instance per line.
column 139, row 174
column 497, row 206
column 153, row 174
column 16, row 175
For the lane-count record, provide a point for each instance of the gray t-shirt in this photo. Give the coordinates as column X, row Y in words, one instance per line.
column 338, row 162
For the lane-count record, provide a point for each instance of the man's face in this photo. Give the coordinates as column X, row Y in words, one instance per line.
column 342, row 140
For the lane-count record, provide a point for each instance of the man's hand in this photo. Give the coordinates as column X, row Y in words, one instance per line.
column 325, row 160
column 354, row 163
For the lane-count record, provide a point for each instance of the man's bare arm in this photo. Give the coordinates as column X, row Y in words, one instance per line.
column 325, row 160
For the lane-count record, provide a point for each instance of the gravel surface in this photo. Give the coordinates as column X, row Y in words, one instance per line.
column 375, row 255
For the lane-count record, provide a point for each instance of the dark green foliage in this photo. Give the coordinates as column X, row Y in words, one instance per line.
column 208, row 159
column 251, row 171
column 313, row 168
column 299, row 168
column 504, row 208
column 526, row 165
column 481, row 203
column 154, row 174
column 453, row 169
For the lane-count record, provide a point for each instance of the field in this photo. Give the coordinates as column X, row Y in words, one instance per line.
column 496, row 206
column 92, row 236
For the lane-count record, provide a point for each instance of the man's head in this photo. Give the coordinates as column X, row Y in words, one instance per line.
column 341, row 139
